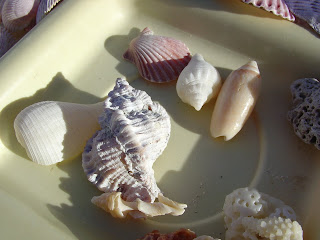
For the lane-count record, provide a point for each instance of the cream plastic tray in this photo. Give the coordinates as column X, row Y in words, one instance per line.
column 75, row 55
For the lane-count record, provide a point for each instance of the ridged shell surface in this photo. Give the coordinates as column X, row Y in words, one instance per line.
column 277, row 7
column 135, row 131
column 158, row 58
column 236, row 100
column 308, row 10
column 1, row 5
column 54, row 131
column 7, row 40
column 18, row 14
column 198, row 82
column 45, row 7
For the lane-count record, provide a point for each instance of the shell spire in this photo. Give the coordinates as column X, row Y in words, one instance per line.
column 158, row 58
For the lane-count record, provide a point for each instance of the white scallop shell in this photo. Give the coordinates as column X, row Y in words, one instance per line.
column 18, row 14
column 236, row 100
column 7, row 40
column 54, row 131
column 277, row 7
column 198, row 82
column 135, row 131
column 45, row 7
column 159, row 59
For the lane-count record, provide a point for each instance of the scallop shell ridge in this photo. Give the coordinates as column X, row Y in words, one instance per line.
column 158, row 58
column 277, row 7
column 135, row 131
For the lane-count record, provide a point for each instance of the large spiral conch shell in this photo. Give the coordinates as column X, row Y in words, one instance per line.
column 236, row 100
column 118, row 159
column 198, row 82
column 54, row 131
column 158, row 58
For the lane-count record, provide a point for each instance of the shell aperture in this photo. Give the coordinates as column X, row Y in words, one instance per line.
column 119, row 157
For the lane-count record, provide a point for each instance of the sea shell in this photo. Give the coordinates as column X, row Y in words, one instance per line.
column 158, row 58
column 277, row 7
column 198, row 82
column 45, row 7
column 236, row 100
column 7, row 40
column 119, row 208
column 119, row 157
column 54, row 131
column 18, row 14
column 308, row 10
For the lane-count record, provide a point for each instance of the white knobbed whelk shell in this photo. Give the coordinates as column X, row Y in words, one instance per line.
column 54, row 131
column 119, row 157
column 198, row 82
column 45, row 7
column 158, row 58
column 236, row 100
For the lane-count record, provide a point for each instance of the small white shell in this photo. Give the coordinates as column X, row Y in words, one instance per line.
column 236, row 100
column 198, row 82
column 45, row 7
column 54, row 131
column 18, row 14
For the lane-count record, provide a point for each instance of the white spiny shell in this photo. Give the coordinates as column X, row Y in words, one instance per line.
column 45, row 7
column 158, row 58
column 236, row 100
column 54, row 131
column 198, row 82
column 18, row 14
column 135, row 131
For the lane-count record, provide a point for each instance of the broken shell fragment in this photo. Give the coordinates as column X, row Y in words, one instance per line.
column 198, row 82
column 236, row 100
column 119, row 208
column 54, row 131
column 119, row 157
column 158, row 59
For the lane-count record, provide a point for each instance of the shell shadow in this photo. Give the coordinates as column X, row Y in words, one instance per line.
column 116, row 45
column 58, row 89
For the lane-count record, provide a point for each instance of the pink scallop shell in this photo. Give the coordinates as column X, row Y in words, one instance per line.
column 45, row 7
column 7, row 40
column 18, row 14
column 159, row 59
column 277, row 7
